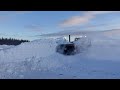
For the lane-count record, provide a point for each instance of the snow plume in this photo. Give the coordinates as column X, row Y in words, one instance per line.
column 115, row 33
column 87, row 16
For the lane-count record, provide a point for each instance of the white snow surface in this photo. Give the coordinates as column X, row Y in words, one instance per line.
column 38, row 60
column 6, row 46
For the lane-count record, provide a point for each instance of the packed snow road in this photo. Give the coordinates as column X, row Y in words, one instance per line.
column 38, row 60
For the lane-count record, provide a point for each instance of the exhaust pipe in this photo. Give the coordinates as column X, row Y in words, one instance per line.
column 69, row 38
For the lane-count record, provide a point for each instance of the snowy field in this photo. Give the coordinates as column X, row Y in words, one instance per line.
column 38, row 60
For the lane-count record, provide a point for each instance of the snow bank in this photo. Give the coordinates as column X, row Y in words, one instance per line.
column 101, row 59
column 2, row 47
column 37, row 48
column 31, row 56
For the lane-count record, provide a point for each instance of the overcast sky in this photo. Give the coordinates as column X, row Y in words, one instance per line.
column 27, row 24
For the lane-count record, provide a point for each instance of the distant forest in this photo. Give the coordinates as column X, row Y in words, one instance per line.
column 11, row 41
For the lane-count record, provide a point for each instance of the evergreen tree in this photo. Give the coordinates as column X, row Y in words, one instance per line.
column 11, row 41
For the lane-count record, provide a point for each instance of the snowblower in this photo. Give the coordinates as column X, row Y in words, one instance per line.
column 66, row 48
column 79, row 45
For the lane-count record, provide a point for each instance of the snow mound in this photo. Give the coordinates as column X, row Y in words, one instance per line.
column 2, row 47
column 99, row 60
column 37, row 48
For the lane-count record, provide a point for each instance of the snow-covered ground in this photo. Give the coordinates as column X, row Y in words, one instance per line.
column 38, row 60
column 6, row 46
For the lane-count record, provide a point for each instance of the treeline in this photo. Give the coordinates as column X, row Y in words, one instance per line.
column 11, row 41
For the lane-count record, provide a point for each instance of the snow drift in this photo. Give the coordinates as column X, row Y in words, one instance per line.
column 38, row 59
column 37, row 48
